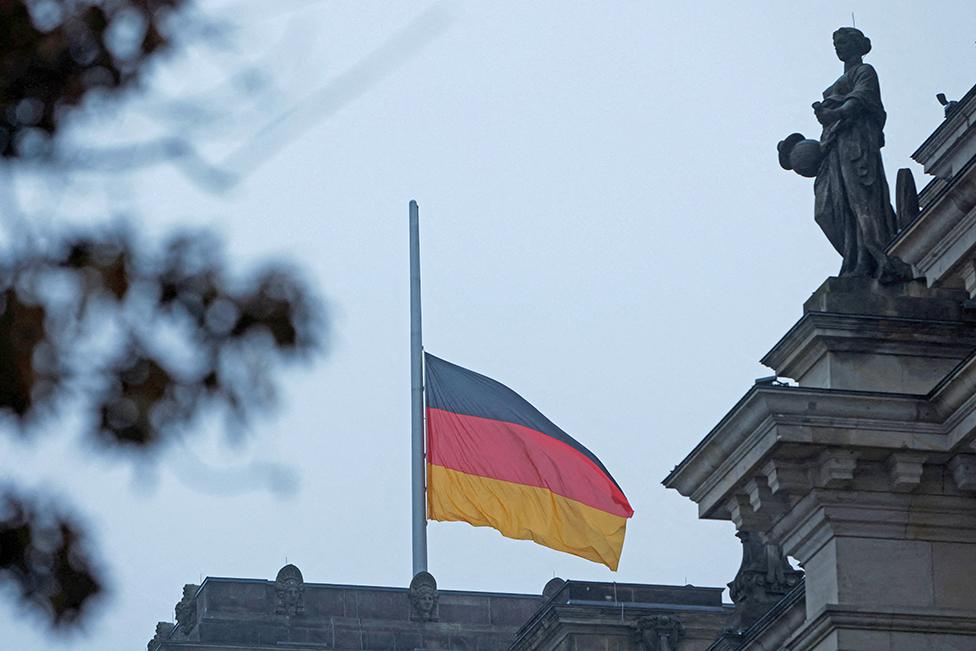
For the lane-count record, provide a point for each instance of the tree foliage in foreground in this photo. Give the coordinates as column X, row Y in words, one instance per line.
column 140, row 341
column 53, row 53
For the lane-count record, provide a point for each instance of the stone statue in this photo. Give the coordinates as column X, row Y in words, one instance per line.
column 852, row 204
column 289, row 591
column 423, row 597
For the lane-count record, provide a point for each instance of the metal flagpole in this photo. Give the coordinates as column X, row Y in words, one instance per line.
column 418, row 479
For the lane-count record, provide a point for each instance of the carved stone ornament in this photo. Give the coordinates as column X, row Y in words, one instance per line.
column 163, row 631
column 764, row 577
column 659, row 633
column 553, row 587
column 289, row 591
column 186, row 609
column 423, row 598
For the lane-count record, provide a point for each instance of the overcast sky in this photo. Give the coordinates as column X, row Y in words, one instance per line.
column 605, row 229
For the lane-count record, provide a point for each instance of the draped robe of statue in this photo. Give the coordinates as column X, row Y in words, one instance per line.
column 852, row 203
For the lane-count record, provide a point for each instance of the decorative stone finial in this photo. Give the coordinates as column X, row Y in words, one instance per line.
column 423, row 597
column 552, row 587
column 659, row 633
column 948, row 106
column 163, row 630
column 186, row 609
column 289, row 591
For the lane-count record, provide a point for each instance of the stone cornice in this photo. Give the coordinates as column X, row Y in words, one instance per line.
column 556, row 621
column 772, row 417
column 785, row 461
column 951, row 128
column 801, row 423
column 930, row 620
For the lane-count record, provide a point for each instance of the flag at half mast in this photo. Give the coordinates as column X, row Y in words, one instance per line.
column 493, row 460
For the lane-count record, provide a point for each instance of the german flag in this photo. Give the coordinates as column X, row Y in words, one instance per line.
column 493, row 460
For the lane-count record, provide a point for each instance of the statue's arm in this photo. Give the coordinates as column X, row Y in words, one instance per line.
column 865, row 92
column 850, row 108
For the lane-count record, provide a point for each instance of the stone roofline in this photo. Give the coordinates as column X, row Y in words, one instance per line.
column 226, row 611
column 609, row 585
column 931, row 152
column 686, row 599
column 940, row 241
column 371, row 588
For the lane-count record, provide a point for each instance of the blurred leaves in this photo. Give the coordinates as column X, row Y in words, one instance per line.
column 44, row 555
column 143, row 341
column 54, row 52
column 139, row 341
column 21, row 331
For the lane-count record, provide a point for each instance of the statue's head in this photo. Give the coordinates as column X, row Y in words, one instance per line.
column 851, row 43
column 289, row 589
column 425, row 599
column 289, row 577
column 423, row 596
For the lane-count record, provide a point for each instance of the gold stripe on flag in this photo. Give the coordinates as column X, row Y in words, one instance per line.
column 526, row 513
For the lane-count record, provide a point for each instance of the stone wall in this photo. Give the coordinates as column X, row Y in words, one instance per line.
column 225, row 614
column 248, row 614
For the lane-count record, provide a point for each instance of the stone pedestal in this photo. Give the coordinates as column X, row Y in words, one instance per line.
column 865, row 472
column 858, row 334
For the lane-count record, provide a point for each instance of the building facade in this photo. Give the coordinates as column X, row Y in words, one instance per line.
column 259, row 615
column 862, row 466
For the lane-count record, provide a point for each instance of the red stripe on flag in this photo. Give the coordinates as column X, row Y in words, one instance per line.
column 515, row 453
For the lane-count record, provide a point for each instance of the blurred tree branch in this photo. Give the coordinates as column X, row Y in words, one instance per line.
column 139, row 340
column 53, row 54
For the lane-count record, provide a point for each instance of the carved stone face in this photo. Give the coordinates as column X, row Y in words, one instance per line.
column 288, row 591
column 425, row 600
column 846, row 46
column 291, row 591
column 423, row 597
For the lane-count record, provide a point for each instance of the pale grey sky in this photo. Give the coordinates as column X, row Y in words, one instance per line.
column 605, row 229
